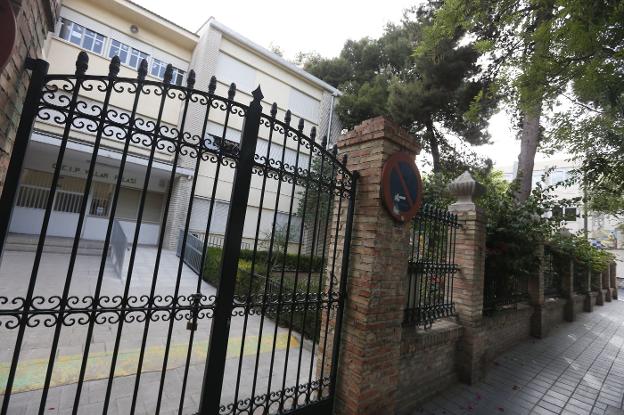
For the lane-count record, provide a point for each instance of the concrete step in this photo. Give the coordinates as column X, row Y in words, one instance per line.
column 53, row 244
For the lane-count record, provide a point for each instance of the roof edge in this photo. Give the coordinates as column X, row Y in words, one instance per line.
column 212, row 22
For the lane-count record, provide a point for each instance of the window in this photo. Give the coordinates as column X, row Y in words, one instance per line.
column 127, row 55
column 158, row 70
column 303, row 105
column 570, row 214
column 81, row 36
column 230, row 70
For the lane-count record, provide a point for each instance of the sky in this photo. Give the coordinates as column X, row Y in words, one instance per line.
column 317, row 26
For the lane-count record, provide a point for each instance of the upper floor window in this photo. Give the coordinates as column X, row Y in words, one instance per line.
column 127, row 55
column 158, row 70
column 81, row 36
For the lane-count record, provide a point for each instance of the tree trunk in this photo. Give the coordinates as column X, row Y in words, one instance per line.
column 434, row 146
column 529, row 141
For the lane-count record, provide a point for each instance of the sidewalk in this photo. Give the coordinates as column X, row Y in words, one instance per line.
column 578, row 369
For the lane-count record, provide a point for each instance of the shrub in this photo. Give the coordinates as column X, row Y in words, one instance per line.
column 246, row 283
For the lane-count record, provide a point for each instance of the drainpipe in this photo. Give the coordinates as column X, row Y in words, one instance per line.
column 331, row 114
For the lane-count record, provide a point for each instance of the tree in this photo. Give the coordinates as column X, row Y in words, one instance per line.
column 430, row 95
column 537, row 49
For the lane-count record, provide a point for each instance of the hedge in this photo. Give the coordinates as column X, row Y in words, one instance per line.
column 309, row 327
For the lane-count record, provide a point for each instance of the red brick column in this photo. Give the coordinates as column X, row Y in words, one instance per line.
column 368, row 373
column 468, row 283
column 34, row 19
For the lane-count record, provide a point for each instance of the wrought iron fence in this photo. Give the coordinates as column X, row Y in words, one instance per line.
column 596, row 280
column 503, row 290
column 552, row 273
column 580, row 278
column 251, row 365
column 431, row 267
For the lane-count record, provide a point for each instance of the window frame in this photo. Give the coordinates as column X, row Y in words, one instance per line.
column 128, row 58
column 178, row 74
column 97, row 36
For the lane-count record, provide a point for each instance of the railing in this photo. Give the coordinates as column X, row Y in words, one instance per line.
column 431, row 267
column 192, row 252
column 215, row 240
column 34, row 197
column 552, row 273
column 580, row 278
column 119, row 244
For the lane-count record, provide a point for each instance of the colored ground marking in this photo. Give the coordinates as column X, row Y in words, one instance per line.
column 31, row 373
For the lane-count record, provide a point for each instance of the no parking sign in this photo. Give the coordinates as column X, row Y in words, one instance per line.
column 401, row 187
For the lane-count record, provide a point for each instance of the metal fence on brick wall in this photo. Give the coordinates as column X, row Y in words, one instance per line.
column 431, row 267
column 552, row 273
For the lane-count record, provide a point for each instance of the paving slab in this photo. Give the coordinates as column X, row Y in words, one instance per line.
column 578, row 369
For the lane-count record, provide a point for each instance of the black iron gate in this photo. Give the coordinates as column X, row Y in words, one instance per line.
column 130, row 327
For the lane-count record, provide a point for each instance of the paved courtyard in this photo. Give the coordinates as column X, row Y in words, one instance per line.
column 577, row 370
column 14, row 274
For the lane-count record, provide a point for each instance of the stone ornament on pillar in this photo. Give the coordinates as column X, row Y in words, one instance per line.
column 465, row 189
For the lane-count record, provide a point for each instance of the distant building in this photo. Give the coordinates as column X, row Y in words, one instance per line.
column 602, row 229
column 121, row 28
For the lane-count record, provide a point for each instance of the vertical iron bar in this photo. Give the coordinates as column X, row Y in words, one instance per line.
column 178, row 149
column 219, row 331
column 39, row 70
column 266, row 278
column 319, row 296
column 114, row 69
column 344, row 274
column 287, row 119
column 248, row 299
column 81, row 67
column 312, row 255
column 135, row 241
column 107, row 239
column 310, row 261
column 30, row 109
column 330, row 294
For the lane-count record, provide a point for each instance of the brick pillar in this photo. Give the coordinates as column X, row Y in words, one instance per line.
column 614, row 283
column 368, row 373
column 468, row 283
column 536, row 297
column 34, row 19
column 567, row 287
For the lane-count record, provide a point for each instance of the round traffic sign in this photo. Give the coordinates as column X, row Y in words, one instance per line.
column 401, row 187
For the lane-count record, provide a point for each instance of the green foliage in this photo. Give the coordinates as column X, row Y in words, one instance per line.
column 577, row 246
column 280, row 269
column 432, row 95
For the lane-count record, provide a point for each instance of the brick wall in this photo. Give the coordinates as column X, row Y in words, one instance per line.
column 34, row 18
column 427, row 363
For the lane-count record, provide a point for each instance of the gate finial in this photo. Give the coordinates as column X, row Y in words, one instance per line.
column 190, row 79
column 82, row 63
column 313, row 133
column 232, row 91
column 212, row 85
column 113, row 68
column 257, row 94
column 287, row 117
column 142, row 70
column 274, row 110
column 301, row 125
column 324, row 141
column 168, row 74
